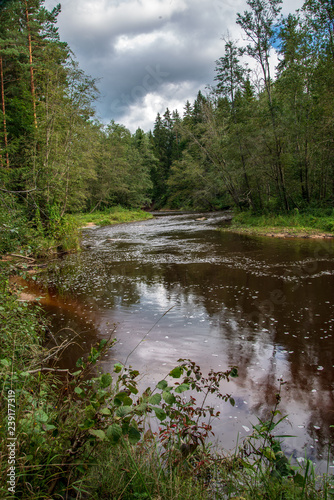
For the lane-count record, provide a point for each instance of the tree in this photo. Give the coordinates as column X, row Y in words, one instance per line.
column 258, row 25
column 166, row 148
column 123, row 164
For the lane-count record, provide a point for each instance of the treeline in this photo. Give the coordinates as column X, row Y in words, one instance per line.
column 260, row 138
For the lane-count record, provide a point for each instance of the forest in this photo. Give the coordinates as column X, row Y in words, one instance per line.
column 258, row 141
column 261, row 138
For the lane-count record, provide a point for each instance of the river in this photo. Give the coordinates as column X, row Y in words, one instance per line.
column 263, row 304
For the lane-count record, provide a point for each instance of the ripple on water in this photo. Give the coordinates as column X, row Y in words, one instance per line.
column 265, row 305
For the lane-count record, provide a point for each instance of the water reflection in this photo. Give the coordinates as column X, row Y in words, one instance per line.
column 264, row 304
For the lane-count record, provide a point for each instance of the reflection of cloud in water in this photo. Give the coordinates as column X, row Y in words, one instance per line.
column 264, row 305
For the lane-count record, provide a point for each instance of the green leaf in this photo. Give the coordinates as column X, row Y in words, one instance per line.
column 118, row 367
column 50, row 427
column 122, row 411
column 114, row 432
column 133, row 389
column 232, row 401
column 105, row 411
column 79, row 362
column 162, row 384
column 105, row 380
column 176, row 372
column 122, row 396
column 41, row 416
column 134, row 435
column 102, row 343
column 127, row 401
column 87, row 424
column 160, row 414
column 168, row 397
column 90, row 411
column 182, row 388
column 77, row 390
column 269, row 454
column 141, row 408
column 234, row 372
column 298, row 479
column 155, row 399
column 97, row 433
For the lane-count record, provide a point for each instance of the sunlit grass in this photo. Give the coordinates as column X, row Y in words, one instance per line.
column 292, row 224
column 114, row 215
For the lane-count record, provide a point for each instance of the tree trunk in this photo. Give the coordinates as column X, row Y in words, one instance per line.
column 4, row 113
column 32, row 84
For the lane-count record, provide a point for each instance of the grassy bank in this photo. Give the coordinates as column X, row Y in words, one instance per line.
column 295, row 224
column 57, row 234
column 115, row 215
column 86, row 435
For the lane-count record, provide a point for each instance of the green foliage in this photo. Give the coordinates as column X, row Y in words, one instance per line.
column 296, row 223
column 14, row 227
column 122, row 166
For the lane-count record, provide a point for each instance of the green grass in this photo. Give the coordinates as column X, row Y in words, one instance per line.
column 292, row 224
column 60, row 233
column 115, row 215
column 205, row 475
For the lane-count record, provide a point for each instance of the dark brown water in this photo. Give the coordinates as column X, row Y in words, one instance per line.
column 263, row 304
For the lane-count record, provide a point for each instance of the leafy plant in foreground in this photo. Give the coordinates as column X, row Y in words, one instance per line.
column 183, row 423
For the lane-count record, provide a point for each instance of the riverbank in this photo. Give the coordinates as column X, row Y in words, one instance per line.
column 114, row 215
column 294, row 225
column 41, row 240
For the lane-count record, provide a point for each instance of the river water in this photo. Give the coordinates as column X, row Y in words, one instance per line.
column 263, row 304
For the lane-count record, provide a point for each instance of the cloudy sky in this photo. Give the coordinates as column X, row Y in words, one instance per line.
column 149, row 54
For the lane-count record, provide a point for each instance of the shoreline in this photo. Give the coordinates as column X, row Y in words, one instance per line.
column 278, row 232
column 316, row 225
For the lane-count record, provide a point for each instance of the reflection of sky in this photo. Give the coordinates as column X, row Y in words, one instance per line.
column 261, row 304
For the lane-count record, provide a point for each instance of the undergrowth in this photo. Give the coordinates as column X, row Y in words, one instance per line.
column 41, row 233
column 37, row 233
column 87, row 434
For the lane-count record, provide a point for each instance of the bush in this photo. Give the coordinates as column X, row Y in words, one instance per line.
column 15, row 230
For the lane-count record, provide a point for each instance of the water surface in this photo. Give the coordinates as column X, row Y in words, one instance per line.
column 263, row 304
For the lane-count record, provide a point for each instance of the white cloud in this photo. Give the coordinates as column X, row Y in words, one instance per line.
column 144, row 41
column 149, row 54
column 172, row 96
